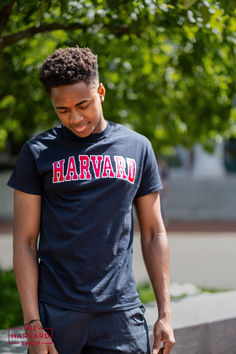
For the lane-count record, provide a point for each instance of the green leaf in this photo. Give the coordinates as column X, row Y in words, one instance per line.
column 3, row 138
column 64, row 6
column 189, row 3
column 46, row 4
column 205, row 14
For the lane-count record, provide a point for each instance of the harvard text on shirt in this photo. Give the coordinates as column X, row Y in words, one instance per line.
column 86, row 167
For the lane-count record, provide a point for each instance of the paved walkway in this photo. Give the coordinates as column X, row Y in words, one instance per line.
column 203, row 259
column 206, row 260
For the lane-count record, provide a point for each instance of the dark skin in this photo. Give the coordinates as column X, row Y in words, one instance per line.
column 27, row 211
column 79, row 108
column 156, row 257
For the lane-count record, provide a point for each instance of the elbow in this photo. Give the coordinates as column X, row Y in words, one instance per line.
column 158, row 235
column 23, row 246
column 154, row 240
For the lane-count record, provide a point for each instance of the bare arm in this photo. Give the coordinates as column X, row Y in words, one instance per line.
column 27, row 211
column 156, row 257
column 27, row 214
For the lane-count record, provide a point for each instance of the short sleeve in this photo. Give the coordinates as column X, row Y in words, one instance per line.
column 25, row 176
column 150, row 180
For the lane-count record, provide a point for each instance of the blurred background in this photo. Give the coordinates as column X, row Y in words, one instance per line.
column 170, row 74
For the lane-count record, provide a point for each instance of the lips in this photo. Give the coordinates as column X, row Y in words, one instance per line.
column 80, row 126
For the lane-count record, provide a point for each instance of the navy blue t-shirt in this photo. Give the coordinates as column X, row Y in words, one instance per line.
column 88, row 186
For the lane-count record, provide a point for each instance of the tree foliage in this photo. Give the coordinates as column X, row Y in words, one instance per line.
column 168, row 66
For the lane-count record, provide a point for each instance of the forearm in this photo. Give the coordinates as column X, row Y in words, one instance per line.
column 156, row 257
column 26, row 273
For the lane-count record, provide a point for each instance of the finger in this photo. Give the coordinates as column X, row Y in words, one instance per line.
column 156, row 347
column 160, row 351
column 157, row 341
column 168, row 347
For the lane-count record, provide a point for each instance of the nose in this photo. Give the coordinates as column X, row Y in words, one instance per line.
column 75, row 116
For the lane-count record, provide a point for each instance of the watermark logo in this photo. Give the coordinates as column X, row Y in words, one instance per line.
column 34, row 336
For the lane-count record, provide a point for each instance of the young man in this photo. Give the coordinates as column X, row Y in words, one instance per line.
column 75, row 185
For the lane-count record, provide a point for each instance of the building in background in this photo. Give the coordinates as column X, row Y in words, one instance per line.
column 198, row 163
column 202, row 186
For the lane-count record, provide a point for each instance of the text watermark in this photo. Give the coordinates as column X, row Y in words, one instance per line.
column 33, row 336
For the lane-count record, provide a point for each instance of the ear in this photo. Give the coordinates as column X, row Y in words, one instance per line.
column 101, row 91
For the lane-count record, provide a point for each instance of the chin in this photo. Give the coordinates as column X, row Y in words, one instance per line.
column 82, row 134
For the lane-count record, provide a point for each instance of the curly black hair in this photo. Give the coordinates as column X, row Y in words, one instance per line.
column 68, row 66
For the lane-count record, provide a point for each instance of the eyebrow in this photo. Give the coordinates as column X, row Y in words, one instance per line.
column 77, row 104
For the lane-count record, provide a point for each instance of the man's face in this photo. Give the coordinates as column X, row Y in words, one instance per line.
column 78, row 106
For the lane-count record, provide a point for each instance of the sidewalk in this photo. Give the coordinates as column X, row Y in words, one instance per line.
column 204, row 259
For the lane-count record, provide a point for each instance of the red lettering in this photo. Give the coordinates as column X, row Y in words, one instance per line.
column 125, row 168
column 58, row 169
column 107, row 167
column 131, row 169
column 84, row 167
column 71, row 170
column 96, row 163
column 120, row 167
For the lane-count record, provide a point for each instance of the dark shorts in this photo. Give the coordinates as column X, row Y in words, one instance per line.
column 96, row 333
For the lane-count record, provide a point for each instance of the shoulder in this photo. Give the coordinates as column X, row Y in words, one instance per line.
column 123, row 131
column 49, row 134
column 41, row 141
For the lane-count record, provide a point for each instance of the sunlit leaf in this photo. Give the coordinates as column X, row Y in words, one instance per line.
column 189, row 3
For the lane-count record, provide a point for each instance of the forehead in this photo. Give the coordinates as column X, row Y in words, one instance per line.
column 68, row 94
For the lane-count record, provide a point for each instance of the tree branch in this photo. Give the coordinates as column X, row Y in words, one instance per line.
column 5, row 14
column 30, row 32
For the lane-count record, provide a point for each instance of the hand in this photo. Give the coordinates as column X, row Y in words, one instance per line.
column 163, row 332
column 39, row 340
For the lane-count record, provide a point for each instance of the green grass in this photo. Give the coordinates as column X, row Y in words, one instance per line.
column 213, row 290
column 10, row 308
column 146, row 293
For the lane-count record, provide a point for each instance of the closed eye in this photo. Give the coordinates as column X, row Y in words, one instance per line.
column 84, row 107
